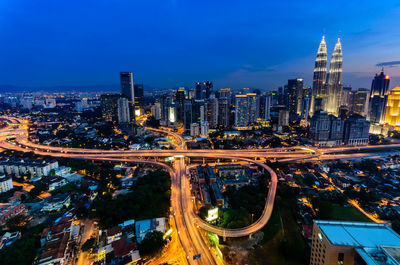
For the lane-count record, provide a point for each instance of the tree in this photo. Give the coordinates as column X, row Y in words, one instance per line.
column 39, row 187
column 152, row 243
column 88, row 245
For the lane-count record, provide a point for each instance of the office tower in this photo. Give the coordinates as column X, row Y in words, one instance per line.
column 224, row 93
column 241, row 111
column 353, row 243
column 319, row 78
column 378, row 97
column 109, row 107
column 139, row 96
column 252, row 107
column 203, row 89
column 223, row 111
column 325, row 129
column 283, row 118
column 305, row 109
column 180, row 96
column 392, row 111
column 194, row 112
column 194, row 129
column 156, row 110
column 172, row 114
column 359, row 102
column 212, row 111
column 264, row 112
column 165, row 103
column 123, row 111
column 191, row 93
column 204, row 128
column 293, row 94
column 246, row 111
column 267, row 108
column 127, row 90
column 346, row 96
column 334, row 82
column 356, row 131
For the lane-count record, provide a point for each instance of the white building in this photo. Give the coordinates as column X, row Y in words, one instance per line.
column 5, row 184
column 204, row 129
column 194, row 129
column 123, row 110
column 156, row 111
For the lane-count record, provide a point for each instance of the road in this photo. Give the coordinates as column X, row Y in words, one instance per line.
column 187, row 222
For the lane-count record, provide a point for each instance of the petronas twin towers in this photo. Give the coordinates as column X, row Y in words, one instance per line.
column 327, row 86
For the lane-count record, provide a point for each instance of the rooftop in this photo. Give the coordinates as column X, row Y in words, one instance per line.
column 358, row 234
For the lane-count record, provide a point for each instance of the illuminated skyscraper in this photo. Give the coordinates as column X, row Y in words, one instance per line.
column 378, row 97
column 319, row 89
column 127, row 90
column 392, row 115
column 334, row 82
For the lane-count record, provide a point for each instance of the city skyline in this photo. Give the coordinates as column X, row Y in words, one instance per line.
column 230, row 50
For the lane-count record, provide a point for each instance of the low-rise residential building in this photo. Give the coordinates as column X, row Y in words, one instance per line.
column 149, row 225
column 10, row 210
column 57, row 202
column 8, row 238
column 54, row 182
column 5, row 183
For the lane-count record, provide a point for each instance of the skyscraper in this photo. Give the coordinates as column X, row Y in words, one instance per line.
column 359, row 102
column 378, row 97
column 123, row 111
column 138, row 95
column 109, row 107
column 203, row 89
column 127, row 90
column 246, row 111
column 334, row 82
column 293, row 95
column 320, row 69
column 392, row 112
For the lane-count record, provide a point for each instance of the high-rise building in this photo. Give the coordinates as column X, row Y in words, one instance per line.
column 194, row 129
column 283, row 118
column 180, row 96
column 156, row 111
column 353, row 243
column 392, row 112
column 123, row 111
column 204, row 126
column 246, row 111
column 346, row 96
column 319, row 79
column 194, row 112
column 203, row 89
column 265, row 107
column 109, row 107
column 212, row 112
column 325, row 129
column 139, row 96
column 334, row 81
column 224, row 93
column 359, row 102
column 223, row 112
column 127, row 90
column 356, row 130
column 293, row 95
column 378, row 97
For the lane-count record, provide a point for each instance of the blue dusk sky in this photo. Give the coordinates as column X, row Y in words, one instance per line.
column 170, row 43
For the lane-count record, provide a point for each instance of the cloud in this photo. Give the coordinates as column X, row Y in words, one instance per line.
column 389, row 64
column 252, row 68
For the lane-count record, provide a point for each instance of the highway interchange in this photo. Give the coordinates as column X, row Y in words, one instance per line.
column 188, row 224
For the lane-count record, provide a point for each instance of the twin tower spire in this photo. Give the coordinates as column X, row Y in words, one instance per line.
column 327, row 86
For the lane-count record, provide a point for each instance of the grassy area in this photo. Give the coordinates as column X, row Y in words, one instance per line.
column 332, row 211
column 283, row 242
